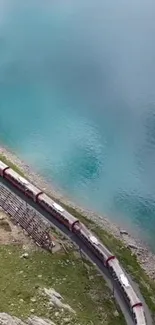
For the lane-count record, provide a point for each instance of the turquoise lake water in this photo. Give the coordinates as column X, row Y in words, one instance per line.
column 77, row 100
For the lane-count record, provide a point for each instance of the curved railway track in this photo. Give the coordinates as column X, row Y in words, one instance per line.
column 13, row 204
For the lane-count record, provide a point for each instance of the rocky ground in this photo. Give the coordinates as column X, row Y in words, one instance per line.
column 6, row 319
column 145, row 257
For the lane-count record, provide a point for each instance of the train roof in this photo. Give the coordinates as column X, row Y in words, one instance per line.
column 33, row 188
column 23, row 181
column 58, row 207
column 14, row 174
column 95, row 241
column 70, row 216
column 140, row 316
column 46, row 198
column 3, row 165
column 124, row 281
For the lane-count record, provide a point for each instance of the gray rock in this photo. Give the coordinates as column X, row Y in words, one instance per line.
column 87, row 266
column 116, row 313
column 25, row 255
column 66, row 320
column 131, row 245
column 91, row 277
column 39, row 321
column 55, row 299
column 123, row 232
column 6, row 319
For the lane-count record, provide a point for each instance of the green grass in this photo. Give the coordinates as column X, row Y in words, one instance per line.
column 82, row 288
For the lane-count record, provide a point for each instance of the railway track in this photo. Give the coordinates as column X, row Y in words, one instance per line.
column 14, row 202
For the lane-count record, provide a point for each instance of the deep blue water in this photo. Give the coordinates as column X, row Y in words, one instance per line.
column 77, row 100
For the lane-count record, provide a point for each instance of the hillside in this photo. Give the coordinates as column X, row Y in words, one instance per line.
column 60, row 287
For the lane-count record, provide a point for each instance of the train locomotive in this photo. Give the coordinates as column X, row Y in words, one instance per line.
column 85, row 235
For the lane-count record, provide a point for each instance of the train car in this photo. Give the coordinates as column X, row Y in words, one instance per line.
column 94, row 244
column 139, row 315
column 130, row 295
column 21, row 183
column 57, row 211
column 3, row 167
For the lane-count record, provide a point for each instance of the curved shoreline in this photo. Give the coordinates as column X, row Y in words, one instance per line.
column 144, row 255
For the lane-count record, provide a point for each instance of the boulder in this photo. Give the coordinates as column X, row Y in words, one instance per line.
column 116, row 313
column 39, row 321
column 66, row 320
column 56, row 299
column 131, row 245
column 6, row 319
column 123, row 232
column 25, row 255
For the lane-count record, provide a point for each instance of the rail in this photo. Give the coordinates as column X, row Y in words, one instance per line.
column 29, row 217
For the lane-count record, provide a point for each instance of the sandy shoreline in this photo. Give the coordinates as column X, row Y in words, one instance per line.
column 145, row 257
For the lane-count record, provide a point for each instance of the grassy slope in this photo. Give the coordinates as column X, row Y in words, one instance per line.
column 82, row 288
column 128, row 260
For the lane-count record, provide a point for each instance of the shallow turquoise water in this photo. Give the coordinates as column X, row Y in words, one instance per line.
column 77, row 100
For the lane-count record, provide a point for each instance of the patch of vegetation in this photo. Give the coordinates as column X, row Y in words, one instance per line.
column 21, row 281
column 5, row 225
column 6, row 161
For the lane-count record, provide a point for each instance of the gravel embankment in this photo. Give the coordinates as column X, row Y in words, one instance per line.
column 145, row 256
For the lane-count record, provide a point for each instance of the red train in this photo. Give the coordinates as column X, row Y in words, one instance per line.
column 86, row 236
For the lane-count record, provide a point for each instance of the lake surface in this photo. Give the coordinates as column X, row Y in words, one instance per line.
column 77, row 100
